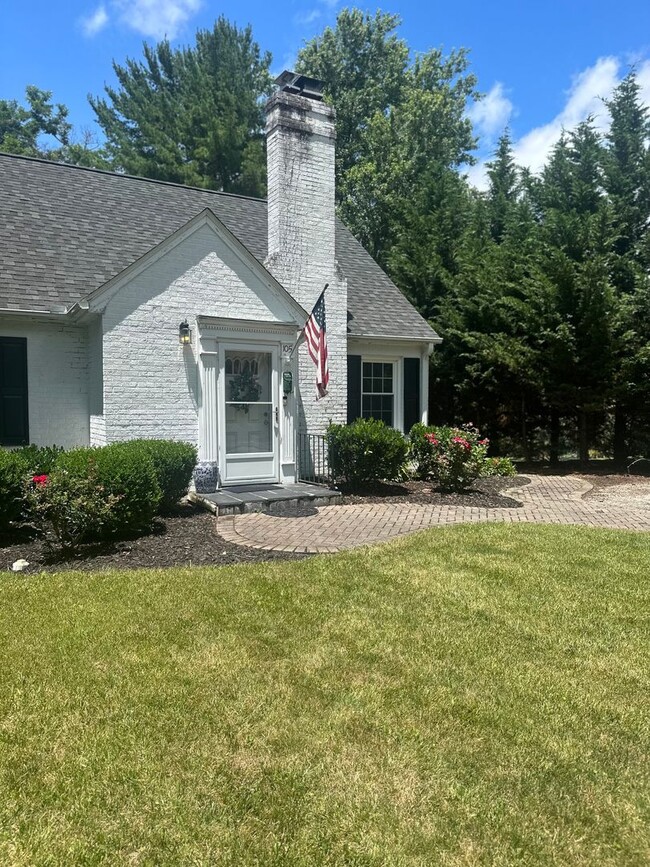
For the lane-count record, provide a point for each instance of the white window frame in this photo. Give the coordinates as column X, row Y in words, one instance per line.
column 398, row 397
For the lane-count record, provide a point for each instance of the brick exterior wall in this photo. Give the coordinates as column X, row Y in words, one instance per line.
column 57, row 380
column 301, row 213
column 151, row 385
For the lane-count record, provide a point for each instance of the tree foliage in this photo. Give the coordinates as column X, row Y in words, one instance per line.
column 542, row 294
column 398, row 119
column 39, row 128
column 192, row 115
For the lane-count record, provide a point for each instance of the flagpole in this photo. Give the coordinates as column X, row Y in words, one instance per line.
column 302, row 330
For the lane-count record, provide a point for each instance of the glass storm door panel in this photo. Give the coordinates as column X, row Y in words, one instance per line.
column 249, row 412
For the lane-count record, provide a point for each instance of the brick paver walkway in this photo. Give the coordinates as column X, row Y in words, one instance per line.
column 546, row 500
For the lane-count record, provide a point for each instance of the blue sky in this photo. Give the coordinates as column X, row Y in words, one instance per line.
column 542, row 65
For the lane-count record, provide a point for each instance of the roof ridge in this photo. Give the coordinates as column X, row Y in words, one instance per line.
column 128, row 177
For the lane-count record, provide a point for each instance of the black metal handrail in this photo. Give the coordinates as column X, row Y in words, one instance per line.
column 313, row 459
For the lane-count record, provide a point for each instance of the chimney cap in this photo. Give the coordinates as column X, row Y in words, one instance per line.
column 294, row 82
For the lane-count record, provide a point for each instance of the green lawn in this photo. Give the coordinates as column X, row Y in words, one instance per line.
column 473, row 695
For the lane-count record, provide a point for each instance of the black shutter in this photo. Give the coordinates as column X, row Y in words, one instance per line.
column 412, row 410
column 14, row 428
column 354, row 387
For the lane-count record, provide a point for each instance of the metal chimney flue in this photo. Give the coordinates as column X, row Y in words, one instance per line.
column 302, row 85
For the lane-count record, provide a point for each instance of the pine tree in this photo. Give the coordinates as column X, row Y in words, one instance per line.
column 576, row 231
column 627, row 181
column 191, row 115
column 504, row 186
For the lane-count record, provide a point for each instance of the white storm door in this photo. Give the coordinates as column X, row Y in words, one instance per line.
column 249, row 417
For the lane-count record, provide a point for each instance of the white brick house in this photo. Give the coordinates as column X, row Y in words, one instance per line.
column 99, row 271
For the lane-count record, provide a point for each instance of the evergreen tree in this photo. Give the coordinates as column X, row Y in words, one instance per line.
column 424, row 260
column 576, row 233
column 627, row 181
column 191, row 115
column 504, row 186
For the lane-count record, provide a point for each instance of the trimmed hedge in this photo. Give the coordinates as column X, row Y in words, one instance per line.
column 94, row 493
column 174, row 463
column 90, row 493
column 122, row 472
column 366, row 451
column 40, row 460
column 14, row 470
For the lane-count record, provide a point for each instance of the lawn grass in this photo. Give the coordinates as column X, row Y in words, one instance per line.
column 472, row 695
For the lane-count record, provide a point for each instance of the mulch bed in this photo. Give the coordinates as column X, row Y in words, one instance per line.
column 186, row 538
column 485, row 493
column 189, row 536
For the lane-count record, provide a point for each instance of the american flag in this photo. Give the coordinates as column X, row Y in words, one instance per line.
column 316, row 337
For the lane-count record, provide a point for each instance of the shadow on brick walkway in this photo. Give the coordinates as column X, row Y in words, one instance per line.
column 546, row 500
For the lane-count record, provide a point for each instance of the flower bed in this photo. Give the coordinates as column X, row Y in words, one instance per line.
column 454, row 457
column 88, row 494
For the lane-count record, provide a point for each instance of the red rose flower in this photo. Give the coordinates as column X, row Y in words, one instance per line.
column 41, row 481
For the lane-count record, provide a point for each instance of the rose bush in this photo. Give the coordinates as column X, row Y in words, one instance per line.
column 69, row 508
column 453, row 457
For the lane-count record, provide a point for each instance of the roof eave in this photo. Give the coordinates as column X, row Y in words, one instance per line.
column 431, row 338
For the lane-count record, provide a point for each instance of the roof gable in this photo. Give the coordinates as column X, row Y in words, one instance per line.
column 99, row 297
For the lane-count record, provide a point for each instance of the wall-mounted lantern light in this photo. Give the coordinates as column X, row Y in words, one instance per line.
column 184, row 334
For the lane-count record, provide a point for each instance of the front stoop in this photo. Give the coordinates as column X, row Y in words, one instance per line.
column 274, row 499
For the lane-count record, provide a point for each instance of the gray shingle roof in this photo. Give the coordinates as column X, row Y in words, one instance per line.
column 65, row 231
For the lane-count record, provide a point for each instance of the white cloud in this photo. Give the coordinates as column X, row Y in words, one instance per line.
column 583, row 98
column 491, row 114
column 92, row 24
column 307, row 17
column 157, row 18
column 477, row 175
column 643, row 78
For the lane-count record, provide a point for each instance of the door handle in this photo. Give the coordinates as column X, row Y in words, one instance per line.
column 277, row 415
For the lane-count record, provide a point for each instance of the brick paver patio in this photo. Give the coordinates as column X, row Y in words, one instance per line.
column 546, row 500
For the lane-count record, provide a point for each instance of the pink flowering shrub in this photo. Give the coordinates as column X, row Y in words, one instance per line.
column 69, row 508
column 453, row 457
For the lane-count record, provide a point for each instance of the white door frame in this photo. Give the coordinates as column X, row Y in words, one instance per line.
column 212, row 332
column 273, row 476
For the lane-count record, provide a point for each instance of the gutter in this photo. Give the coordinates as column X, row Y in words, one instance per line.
column 403, row 337
column 75, row 312
column 12, row 311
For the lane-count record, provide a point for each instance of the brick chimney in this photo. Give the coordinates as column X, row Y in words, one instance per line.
column 300, row 142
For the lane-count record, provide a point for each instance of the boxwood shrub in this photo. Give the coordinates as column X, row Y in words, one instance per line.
column 14, row 471
column 90, row 493
column 173, row 463
column 366, row 451
column 126, row 475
